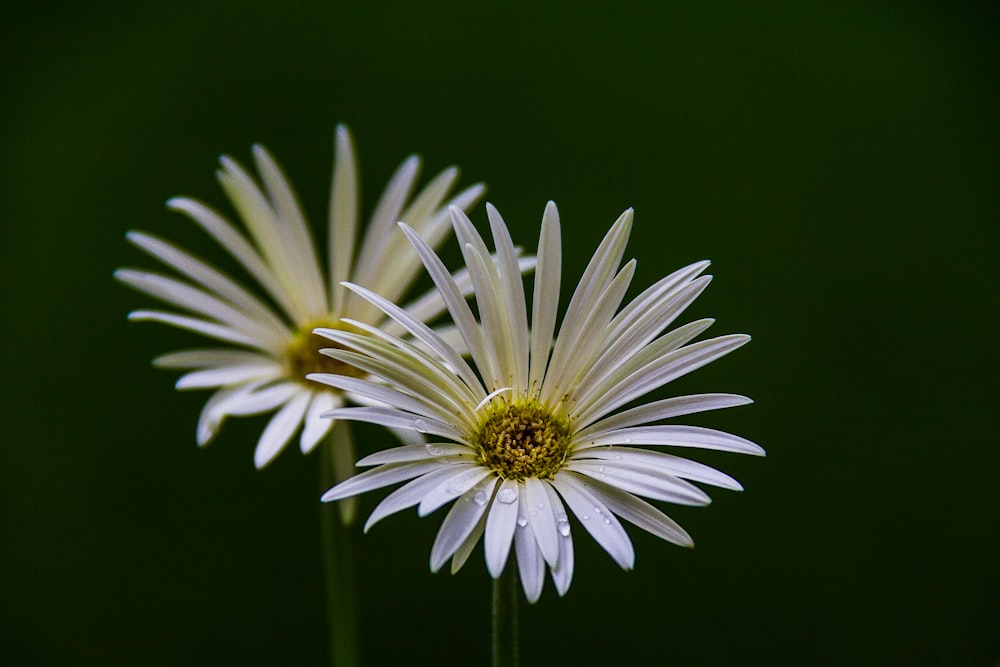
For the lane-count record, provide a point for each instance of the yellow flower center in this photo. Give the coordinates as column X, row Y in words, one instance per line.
column 302, row 356
column 522, row 439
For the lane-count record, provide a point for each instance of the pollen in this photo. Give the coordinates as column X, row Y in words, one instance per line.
column 522, row 439
column 302, row 356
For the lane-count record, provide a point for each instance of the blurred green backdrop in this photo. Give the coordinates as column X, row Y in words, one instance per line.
column 837, row 162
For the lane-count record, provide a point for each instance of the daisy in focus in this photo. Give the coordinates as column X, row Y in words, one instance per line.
column 268, row 345
column 531, row 431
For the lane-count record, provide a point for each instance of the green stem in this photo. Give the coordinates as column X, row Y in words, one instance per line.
column 505, row 599
column 338, row 552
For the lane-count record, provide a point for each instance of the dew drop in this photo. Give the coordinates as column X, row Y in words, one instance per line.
column 561, row 517
column 507, row 495
column 434, row 450
column 522, row 522
column 585, row 517
column 601, row 470
column 541, row 506
column 627, row 441
column 454, row 490
column 607, row 520
column 420, row 425
column 564, row 528
column 479, row 498
column 597, row 510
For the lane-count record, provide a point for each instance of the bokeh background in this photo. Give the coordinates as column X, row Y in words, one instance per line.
column 838, row 162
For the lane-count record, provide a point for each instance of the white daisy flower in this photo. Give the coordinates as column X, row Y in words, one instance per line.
column 531, row 431
column 269, row 346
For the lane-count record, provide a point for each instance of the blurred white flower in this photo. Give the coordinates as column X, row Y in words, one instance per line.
column 268, row 342
column 531, row 426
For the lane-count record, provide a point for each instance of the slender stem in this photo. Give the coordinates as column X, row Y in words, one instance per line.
column 338, row 556
column 505, row 599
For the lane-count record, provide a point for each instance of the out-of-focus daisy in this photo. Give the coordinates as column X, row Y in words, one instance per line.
column 268, row 342
column 532, row 427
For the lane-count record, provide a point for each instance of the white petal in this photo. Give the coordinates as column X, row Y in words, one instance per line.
column 545, row 303
column 461, row 521
column 596, row 519
column 530, row 564
column 639, row 513
column 412, row 493
column 665, row 409
column 675, row 465
column 464, row 549
column 254, row 402
column 452, row 488
column 210, row 420
column 421, row 452
column 315, row 426
column 562, row 572
column 210, row 329
column 379, row 477
column 649, row 482
column 500, row 524
column 280, row 429
column 397, row 419
column 237, row 246
column 675, row 436
column 229, row 375
column 512, row 289
column 208, row 357
column 543, row 521
column 343, row 215
column 419, row 405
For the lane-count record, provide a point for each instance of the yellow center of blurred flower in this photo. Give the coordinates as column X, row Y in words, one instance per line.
column 302, row 356
column 522, row 439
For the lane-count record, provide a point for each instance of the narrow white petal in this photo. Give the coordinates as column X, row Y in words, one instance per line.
column 530, row 564
column 664, row 409
column 464, row 549
column 207, row 276
column 280, row 429
column 639, row 512
column 229, row 375
column 421, row 452
column 210, row 357
column 424, row 333
column 461, row 521
column 379, row 477
column 675, row 465
column 297, row 235
column 676, row 436
column 262, row 400
column 542, row 519
column 412, row 493
column 596, row 518
column 396, row 419
column 210, row 420
column 405, row 436
column 545, row 303
column 453, row 298
column 378, row 392
column 452, row 488
column 645, row 481
column 315, row 426
column 512, row 289
column 655, row 374
column 500, row 524
column 343, row 215
column 562, row 572
column 209, row 329
column 598, row 275
column 237, row 246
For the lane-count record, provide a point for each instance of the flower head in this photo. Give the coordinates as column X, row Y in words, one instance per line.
column 268, row 342
column 533, row 427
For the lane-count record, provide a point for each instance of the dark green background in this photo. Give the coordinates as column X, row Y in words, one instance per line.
column 838, row 163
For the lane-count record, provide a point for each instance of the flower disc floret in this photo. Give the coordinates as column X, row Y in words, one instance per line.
column 303, row 356
column 522, row 439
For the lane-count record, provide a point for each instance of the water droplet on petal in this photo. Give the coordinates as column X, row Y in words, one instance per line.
column 479, row 498
column 420, row 425
column 597, row 510
column 522, row 522
column 564, row 528
column 585, row 517
column 434, row 450
column 507, row 495
column 561, row 517
column 607, row 520
column 627, row 441
column 601, row 470
column 541, row 506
